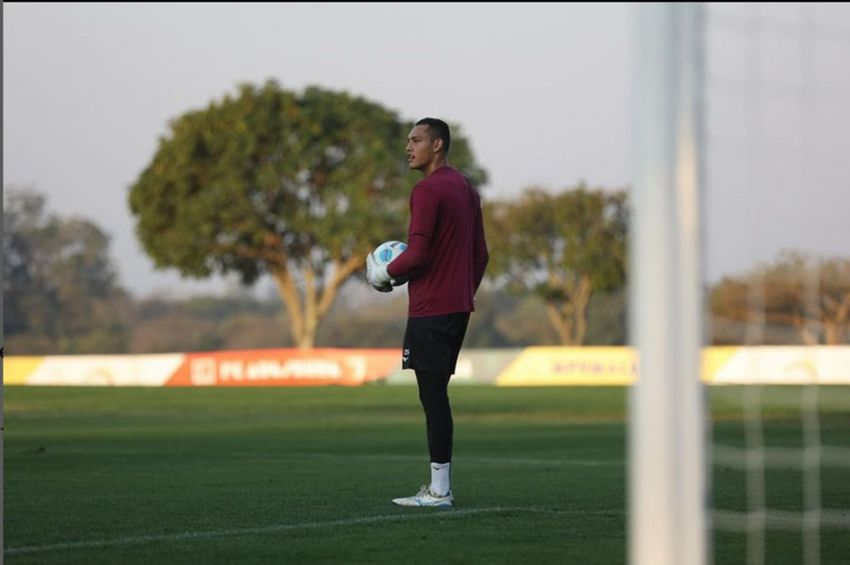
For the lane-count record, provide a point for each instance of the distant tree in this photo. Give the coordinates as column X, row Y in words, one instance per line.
column 796, row 291
column 253, row 331
column 174, row 332
column 364, row 318
column 59, row 288
column 205, row 323
column 561, row 248
column 520, row 326
column 297, row 186
column 607, row 317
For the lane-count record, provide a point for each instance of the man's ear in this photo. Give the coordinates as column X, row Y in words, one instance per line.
column 437, row 144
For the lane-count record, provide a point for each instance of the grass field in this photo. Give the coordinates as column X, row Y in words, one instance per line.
column 285, row 475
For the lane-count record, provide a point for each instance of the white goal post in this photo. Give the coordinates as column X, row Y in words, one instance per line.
column 668, row 515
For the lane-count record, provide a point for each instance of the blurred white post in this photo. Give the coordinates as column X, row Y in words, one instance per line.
column 667, row 483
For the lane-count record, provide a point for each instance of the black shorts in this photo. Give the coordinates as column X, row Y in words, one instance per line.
column 432, row 343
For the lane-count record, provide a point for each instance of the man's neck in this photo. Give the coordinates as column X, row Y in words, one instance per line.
column 434, row 165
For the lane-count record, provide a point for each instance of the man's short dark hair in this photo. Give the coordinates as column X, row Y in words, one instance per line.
column 439, row 130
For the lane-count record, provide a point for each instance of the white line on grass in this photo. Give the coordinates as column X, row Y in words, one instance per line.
column 457, row 459
column 426, row 513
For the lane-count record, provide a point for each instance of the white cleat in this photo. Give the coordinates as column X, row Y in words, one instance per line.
column 426, row 498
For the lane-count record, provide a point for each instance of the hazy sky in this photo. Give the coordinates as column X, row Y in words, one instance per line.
column 541, row 90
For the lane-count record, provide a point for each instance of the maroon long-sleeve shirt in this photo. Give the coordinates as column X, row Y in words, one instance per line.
column 446, row 251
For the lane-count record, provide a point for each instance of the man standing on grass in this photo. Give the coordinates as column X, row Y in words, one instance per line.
column 444, row 263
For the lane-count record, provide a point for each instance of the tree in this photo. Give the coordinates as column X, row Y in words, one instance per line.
column 298, row 186
column 561, row 248
column 796, row 291
column 60, row 289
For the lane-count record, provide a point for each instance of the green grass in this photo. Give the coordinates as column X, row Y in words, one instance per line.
column 300, row 475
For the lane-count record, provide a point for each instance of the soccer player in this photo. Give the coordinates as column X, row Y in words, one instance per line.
column 444, row 263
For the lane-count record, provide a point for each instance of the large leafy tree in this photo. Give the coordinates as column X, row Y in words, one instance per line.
column 809, row 296
column 560, row 247
column 60, row 291
column 297, row 186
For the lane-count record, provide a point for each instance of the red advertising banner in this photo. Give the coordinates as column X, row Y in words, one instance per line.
column 286, row 367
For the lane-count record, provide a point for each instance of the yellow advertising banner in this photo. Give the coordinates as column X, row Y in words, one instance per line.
column 715, row 358
column 17, row 369
column 593, row 366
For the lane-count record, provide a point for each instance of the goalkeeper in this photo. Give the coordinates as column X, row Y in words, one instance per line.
column 444, row 263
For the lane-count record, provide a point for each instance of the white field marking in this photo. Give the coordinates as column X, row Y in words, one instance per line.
column 781, row 520
column 372, row 456
column 460, row 459
column 375, row 456
column 428, row 513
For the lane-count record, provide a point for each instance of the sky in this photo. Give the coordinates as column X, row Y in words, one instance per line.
column 542, row 91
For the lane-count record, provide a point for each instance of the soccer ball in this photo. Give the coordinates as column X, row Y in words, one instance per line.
column 387, row 252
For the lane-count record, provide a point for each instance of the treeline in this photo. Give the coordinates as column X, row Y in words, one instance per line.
column 559, row 280
column 62, row 296
column 208, row 323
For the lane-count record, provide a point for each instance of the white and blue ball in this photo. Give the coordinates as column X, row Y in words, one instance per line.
column 387, row 252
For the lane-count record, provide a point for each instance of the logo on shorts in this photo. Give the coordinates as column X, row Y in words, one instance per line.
column 405, row 354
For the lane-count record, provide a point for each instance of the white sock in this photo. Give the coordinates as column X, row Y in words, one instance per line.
column 440, row 478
